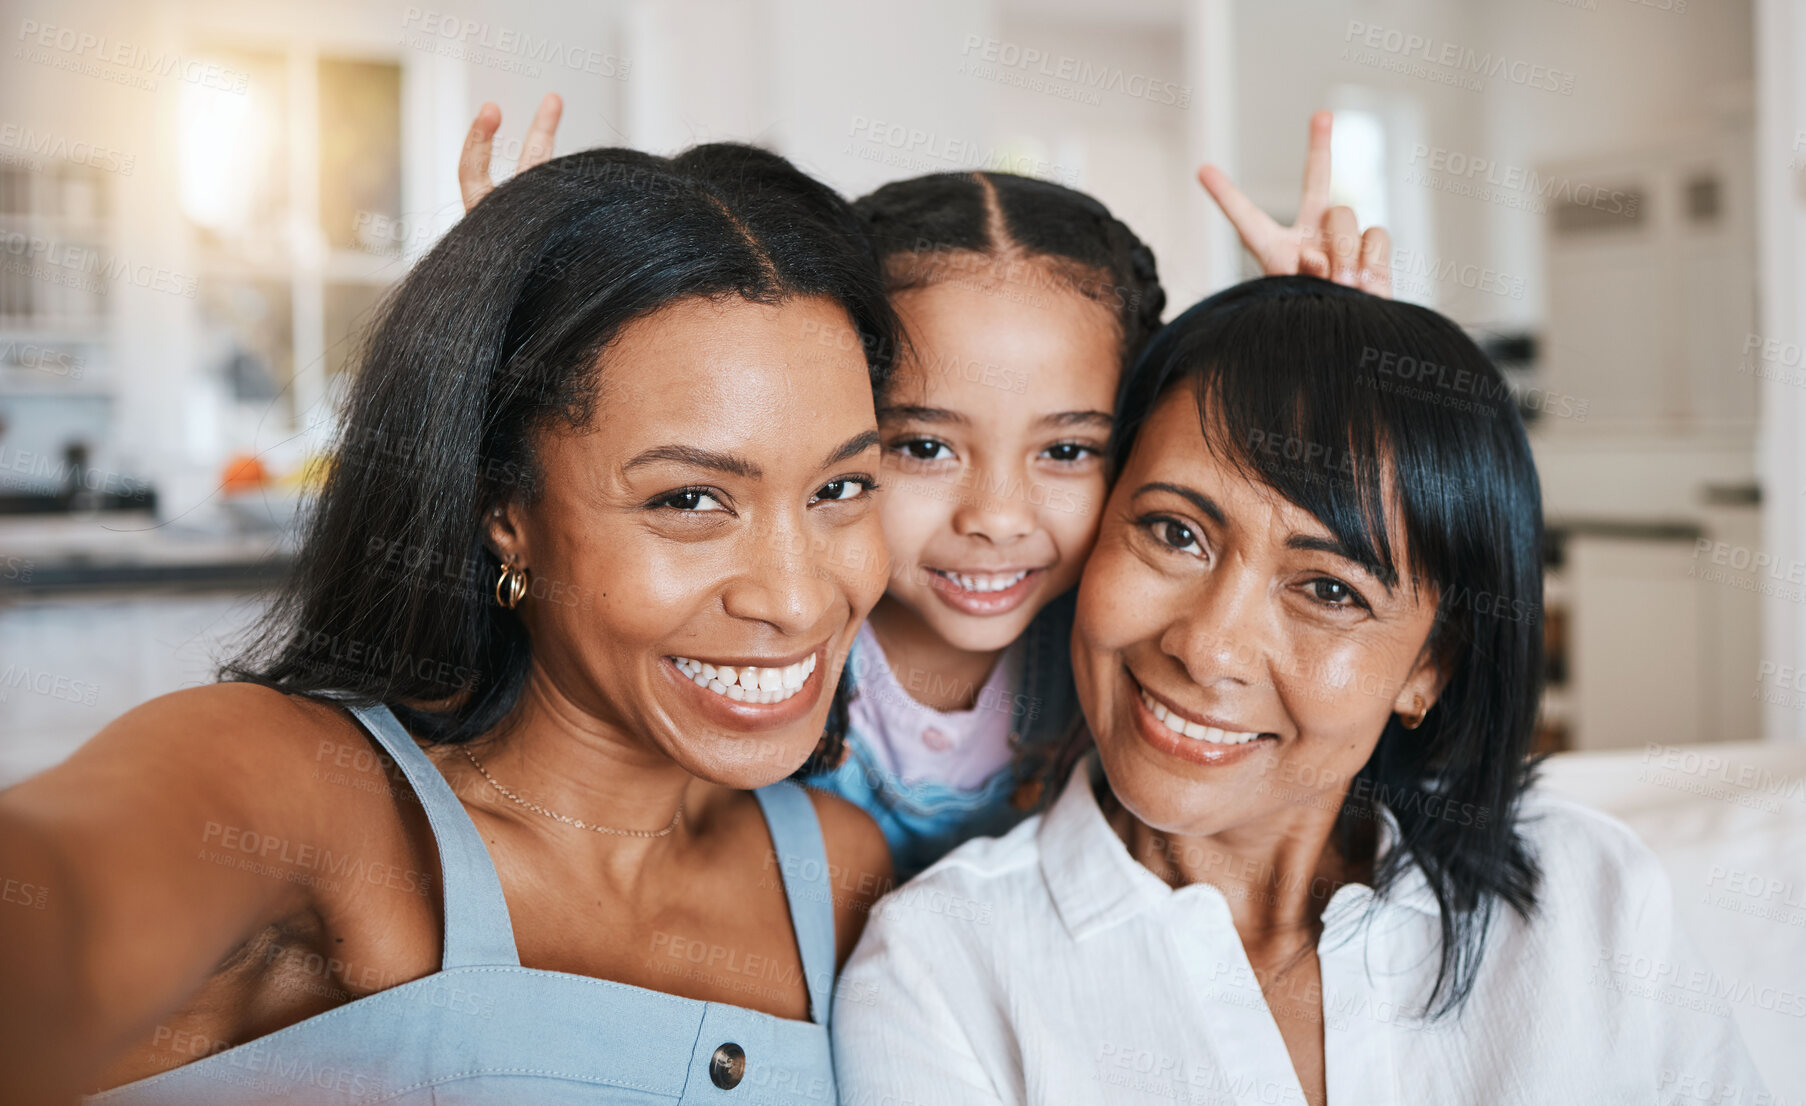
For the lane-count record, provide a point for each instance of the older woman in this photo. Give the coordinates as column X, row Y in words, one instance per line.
column 468, row 826
column 1306, row 863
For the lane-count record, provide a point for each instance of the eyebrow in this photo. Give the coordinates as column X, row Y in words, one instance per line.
column 852, row 448
column 1099, row 419
column 697, row 457
column 737, row 465
column 1196, row 498
column 921, row 414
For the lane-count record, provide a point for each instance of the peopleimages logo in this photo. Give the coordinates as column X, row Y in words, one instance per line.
column 52, row 147
column 1459, row 63
column 1437, row 167
column 81, row 51
column 445, row 30
column 1082, row 76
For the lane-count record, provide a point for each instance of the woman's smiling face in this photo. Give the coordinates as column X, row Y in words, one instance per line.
column 705, row 549
column 1232, row 662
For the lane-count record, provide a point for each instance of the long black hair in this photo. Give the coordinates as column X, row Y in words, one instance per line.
column 1338, row 400
column 978, row 226
column 495, row 334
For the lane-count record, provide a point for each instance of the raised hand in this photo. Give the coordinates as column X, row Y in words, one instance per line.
column 473, row 163
column 1325, row 241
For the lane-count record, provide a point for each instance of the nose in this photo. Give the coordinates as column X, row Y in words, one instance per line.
column 1221, row 632
column 996, row 507
column 779, row 584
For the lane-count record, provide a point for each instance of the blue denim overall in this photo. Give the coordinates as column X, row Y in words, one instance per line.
column 923, row 820
column 486, row 1030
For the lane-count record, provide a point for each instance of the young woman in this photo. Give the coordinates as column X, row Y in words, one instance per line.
column 1305, row 863
column 463, row 829
column 1022, row 303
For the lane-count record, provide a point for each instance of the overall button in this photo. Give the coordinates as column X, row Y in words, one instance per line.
column 728, row 1067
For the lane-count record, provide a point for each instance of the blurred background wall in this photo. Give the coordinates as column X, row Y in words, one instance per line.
column 202, row 202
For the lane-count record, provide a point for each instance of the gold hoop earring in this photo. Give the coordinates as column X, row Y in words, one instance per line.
column 1415, row 718
column 514, row 580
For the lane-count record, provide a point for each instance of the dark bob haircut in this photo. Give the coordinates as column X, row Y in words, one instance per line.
column 494, row 335
column 1358, row 409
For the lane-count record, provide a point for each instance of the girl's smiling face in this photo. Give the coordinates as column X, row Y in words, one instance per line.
column 993, row 430
column 1232, row 660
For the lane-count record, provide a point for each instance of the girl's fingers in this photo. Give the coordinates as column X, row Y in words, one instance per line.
column 1316, row 171
column 1376, row 262
column 538, row 146
column 1257, row 229
column 473, row 162
column 1342, row 242
column 1313, row 262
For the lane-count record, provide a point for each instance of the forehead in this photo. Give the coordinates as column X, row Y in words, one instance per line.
column 708, row 366
column 1035, row 342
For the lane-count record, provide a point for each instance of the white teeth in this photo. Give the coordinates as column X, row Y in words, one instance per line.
column 985, row 582
column 1178, row 725
column 749, row 683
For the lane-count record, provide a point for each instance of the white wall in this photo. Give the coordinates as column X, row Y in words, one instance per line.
column 1781, row 246
column 1644, row 76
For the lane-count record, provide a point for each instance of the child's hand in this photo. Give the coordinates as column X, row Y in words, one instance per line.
column 1325, row 241
column 473, row 163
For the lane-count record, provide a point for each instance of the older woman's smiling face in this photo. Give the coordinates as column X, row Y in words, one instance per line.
column 1235, row 667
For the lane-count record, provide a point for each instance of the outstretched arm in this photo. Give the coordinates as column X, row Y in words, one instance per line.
column 120, row 909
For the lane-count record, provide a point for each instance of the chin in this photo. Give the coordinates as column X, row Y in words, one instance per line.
column 983, row 635
column 749, row 765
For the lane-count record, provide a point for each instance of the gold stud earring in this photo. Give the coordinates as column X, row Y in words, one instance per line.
column 1414, row 719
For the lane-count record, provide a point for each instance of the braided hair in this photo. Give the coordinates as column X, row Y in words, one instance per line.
column 985, row 226
column 946, row 226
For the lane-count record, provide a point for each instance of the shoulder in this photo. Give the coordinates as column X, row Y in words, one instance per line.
column 986, row 891
column 859, row 865
column 1577, row 839
column 1592, row 864
column 229, row 752
column 237, row 730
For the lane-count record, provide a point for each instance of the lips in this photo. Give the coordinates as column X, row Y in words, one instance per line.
column 748, row 683
column 984, row 593
column 1198, row 740
column 746, row 697
column 1198, row 731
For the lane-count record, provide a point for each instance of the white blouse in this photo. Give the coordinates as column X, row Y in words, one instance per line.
column 1048, row 966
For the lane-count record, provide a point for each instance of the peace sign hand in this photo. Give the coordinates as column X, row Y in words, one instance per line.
column 473, row 163
column 1325, row 241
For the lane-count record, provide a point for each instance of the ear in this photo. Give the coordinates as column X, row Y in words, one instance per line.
column 506, row 529
column 1424, row 685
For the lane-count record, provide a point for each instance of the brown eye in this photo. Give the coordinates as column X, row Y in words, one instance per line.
column 1333, row 592
column 691, row 499
column 848, row 488
column 1067, row 452
column 1176, row 535
column 924, row 449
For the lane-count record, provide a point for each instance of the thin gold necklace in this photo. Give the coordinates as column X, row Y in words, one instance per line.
column 566, row 819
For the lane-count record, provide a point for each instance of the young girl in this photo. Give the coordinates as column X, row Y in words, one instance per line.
column 1023, row 302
